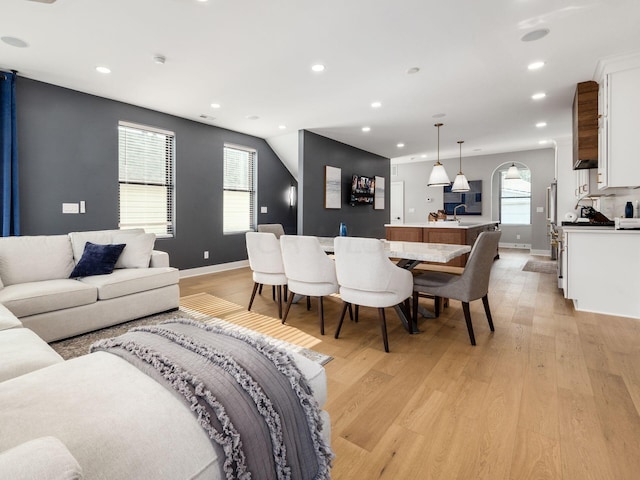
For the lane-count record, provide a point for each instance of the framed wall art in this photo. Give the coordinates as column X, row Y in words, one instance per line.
column 332, row 187
column 378, row 196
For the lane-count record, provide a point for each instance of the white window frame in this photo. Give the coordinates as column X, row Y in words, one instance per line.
column 240, row 196
column 146, row 179
column 517, row 185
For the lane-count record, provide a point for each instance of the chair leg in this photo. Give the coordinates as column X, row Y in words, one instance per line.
column 344, row 311
column 383, row 327
column 253, row 294
column 357, row 312
column 260, row 291
column 467, row 317
column 289, row 302
column 273, row 292
column 436, row 306
column 279, row 289
column 308, row 302
column 321, row 315
column 414, row 310
column 350, row 313
column 487, row 310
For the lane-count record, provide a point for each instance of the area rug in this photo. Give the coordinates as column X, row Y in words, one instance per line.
column 216, row 309
column 540, row 266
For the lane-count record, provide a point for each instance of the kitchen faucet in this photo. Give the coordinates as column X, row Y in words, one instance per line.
column 455, row 211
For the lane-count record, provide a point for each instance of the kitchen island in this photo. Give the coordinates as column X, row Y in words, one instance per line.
column 451, row 232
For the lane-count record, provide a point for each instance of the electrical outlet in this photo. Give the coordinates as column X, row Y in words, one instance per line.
column 206, row 254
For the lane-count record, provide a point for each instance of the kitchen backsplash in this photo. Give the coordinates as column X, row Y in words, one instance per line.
column 613, row 206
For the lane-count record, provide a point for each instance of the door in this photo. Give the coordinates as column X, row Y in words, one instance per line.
column 397, row 202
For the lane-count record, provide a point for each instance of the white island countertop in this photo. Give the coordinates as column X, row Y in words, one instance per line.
column 445, row 224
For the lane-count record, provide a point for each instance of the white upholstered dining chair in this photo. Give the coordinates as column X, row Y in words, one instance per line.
column 265, row 261
column 310, row 272
column 368, row 278
column 473, row 284
column 276, row 228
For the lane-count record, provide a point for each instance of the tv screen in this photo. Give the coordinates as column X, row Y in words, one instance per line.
column 472, row 199
column 362, row 190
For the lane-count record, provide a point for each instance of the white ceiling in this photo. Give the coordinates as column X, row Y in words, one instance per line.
column 253, row 57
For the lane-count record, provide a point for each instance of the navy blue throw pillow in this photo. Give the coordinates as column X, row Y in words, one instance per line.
column 97, row 260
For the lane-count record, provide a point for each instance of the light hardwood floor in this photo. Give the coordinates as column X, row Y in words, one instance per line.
column 552, row 394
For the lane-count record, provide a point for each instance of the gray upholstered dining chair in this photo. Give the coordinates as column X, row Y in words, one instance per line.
column 473, row 284
column 368, row 278
column 310, row 272
column 276, row 228
column 265, row 260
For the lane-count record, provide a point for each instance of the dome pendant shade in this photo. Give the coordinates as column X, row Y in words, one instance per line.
column 513, row 173
column 460, row 184
column 438, row 177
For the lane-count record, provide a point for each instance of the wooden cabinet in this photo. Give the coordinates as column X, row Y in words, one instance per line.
column 585, row 126
column 451, row 236
column 618, row 164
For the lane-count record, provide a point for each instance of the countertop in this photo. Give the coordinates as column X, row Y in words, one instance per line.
column 570, row 229
column 465, row 224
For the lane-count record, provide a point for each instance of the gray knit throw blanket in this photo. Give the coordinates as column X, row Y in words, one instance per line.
column 248, row 395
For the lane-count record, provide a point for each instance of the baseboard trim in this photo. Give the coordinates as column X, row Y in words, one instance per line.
column 221, row 267
column 523, row 246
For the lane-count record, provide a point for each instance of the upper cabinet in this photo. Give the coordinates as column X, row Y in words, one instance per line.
column 619, row 109
column 585, row 126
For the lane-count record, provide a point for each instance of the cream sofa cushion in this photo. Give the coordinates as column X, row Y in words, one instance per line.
column 22, row 351
column 137, row 252
column 131, row 280
column 100, row 237
column 31, row 259
column 8, row 319
column 31, row 298
column 45, row 458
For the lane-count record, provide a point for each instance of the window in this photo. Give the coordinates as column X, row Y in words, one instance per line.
column 145, row 164
column 515, row 198
column 239, row 189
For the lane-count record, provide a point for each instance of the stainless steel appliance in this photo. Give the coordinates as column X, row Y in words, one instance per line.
column 552, row 218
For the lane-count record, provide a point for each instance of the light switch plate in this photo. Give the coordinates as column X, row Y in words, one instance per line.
column 263, row 209
column 70, row 208
column 83, row 207
column 540, row 209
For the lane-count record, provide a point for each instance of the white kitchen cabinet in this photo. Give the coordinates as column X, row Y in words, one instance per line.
column 603, row 270
column 619, row 110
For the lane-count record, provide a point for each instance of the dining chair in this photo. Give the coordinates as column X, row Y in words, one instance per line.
column 310, row 272
column 473, row 284
column 368, row 278
column 265, row 261
column 276, row 228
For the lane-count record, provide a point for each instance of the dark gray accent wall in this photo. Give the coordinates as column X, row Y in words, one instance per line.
column 68, row 152
column 316, row 151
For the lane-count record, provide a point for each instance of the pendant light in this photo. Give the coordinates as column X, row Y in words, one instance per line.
column 438, row 177
column 513, row 173
column 460, row 184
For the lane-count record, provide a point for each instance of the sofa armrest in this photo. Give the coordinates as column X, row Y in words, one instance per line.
column 8, row 319
column 159, row 259
column 42, row 458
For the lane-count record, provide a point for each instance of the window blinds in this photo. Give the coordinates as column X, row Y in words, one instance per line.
column 239, row 189
column 145, row 164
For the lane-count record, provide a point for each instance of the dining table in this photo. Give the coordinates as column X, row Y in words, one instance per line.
column 408, row 255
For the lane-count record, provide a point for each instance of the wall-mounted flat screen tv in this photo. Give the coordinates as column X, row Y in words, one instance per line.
column 472, row 199
column 362, row 190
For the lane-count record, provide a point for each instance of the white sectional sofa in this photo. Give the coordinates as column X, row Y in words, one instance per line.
column 35, row 284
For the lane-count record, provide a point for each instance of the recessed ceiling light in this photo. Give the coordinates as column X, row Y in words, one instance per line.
column 15, row 42
column 252, row 117
column 541, row 124
column 282, row 127
column 439, row 115
column 400, row 145
column 535, row 65
column 376, row 104
column 215, row 105
column 543, row 142
column 413, row 70
column 535, row 35
column 424, row 155
column 538, row 96
column 318, row 67
column 103, row 69
column 159, row 59
column 366, row 129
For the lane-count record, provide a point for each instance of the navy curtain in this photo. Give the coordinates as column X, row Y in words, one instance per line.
column 10, row 214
